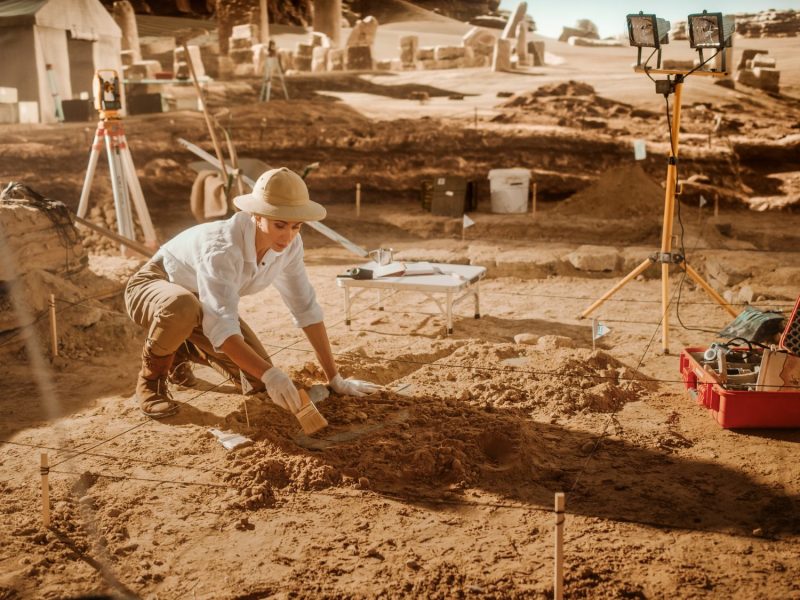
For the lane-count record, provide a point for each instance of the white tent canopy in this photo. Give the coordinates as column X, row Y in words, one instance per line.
column 75, row 37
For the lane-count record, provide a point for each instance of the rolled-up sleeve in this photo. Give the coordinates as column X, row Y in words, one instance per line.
column 219, row 296
column 296, row 290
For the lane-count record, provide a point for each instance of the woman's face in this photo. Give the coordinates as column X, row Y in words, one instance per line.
column 278, row 234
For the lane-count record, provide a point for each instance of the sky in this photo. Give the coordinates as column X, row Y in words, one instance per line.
column 609, row 15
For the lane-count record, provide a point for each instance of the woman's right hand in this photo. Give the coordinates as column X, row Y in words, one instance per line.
column 281, row 390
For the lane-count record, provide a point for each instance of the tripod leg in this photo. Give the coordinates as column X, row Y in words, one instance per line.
column 283, row 83
column 83, row 205
column 632, row 275
column 665, row 307
column 119, row 190
column 708, row 289
column 138, row 196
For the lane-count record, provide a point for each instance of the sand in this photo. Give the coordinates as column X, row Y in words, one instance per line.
column 440, row 486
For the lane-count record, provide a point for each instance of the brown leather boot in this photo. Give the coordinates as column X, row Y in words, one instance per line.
column 181, row 371
column 152, row 392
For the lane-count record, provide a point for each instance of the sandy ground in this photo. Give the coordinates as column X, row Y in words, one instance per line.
column 442, row 485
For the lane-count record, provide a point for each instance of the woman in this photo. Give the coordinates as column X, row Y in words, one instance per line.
column 187, row 297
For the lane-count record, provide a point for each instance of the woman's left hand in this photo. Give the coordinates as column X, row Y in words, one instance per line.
column 352, row 387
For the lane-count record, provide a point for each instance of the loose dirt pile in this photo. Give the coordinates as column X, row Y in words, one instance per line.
column 620, row 193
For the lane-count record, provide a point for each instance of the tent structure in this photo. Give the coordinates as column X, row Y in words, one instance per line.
column 74, row 37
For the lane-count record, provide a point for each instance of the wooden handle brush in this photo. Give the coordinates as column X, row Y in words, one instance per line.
column 311, row 420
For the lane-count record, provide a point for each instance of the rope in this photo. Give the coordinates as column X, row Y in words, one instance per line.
column 120, row 458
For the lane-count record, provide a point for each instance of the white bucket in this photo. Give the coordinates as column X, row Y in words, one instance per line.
column 509, row 190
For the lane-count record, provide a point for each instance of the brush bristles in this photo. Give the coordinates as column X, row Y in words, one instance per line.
column 311, row 420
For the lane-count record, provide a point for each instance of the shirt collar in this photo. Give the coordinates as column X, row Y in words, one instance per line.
column 248, row 235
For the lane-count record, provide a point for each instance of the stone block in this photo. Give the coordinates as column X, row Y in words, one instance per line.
column 302, row 63
column 239, row 44
column 383, row 65
column 336, row 59
column 248, row 31
column 319, row 59
column 244, row 70
column 8, row 112
column 358, row 58
column 155, row 46
column 363, row 33
column 242, row 56
column 304, row 50
column 764, row 61
column 425, row 54
column 749, row 54
column 522, row 44
column 8, row 95
column 127, row 57
column 287, row 58
column 536, row 52
column 219, row 67
column 594, row 258
column 408, row 48
column 196, row 58
column 448, row 52
column 768, row 79
column 181, row 97
column 144, row 69
column 319, row 39
column 480, row 39
column 529, row 339
column 501, row 59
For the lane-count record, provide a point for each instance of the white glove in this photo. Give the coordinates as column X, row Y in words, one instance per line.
column 352, row 387
column 281, row 390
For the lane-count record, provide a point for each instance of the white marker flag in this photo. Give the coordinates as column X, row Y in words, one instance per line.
column 639, row 149
column 703, row 201
column 467, row 222
column 599, row 329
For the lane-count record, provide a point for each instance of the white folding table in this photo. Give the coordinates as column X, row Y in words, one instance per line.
column 454, row 282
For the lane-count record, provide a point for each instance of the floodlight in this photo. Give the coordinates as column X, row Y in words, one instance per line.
column 710, row 30
column 647, row 31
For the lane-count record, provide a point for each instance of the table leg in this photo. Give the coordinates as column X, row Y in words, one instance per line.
column 346, row 305
column 449, row 313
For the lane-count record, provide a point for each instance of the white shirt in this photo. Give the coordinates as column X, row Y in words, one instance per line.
column 218, row 262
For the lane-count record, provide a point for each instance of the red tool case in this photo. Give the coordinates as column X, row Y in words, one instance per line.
column 738, row 409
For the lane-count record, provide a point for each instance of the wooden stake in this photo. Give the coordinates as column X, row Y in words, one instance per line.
column 53, row 327
column 211, row 130
column 716, row 206
column 476, row 117
column 246, row 416
column 533, row 208
column 594, row 332
column 44, row 469
column 358, row 199
column 558, row 572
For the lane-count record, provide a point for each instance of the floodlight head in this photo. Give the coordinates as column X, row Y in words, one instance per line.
column 647, row 31
column 710, row 30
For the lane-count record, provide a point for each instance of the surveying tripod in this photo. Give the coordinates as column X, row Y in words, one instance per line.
column 272, row 67
column 124, row 182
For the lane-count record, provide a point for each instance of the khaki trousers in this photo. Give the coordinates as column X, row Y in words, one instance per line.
column 173, row 317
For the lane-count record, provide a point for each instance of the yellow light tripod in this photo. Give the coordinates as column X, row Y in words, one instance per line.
column 666, row 257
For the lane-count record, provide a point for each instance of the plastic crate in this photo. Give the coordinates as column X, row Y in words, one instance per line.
column 790, row 340
column 738, row 409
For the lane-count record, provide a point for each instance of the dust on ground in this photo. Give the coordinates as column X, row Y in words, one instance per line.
column 441, row 485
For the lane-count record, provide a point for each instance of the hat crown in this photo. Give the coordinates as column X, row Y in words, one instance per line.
column 281, row 187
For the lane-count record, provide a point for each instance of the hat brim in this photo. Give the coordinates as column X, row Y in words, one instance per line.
column 310, row 211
